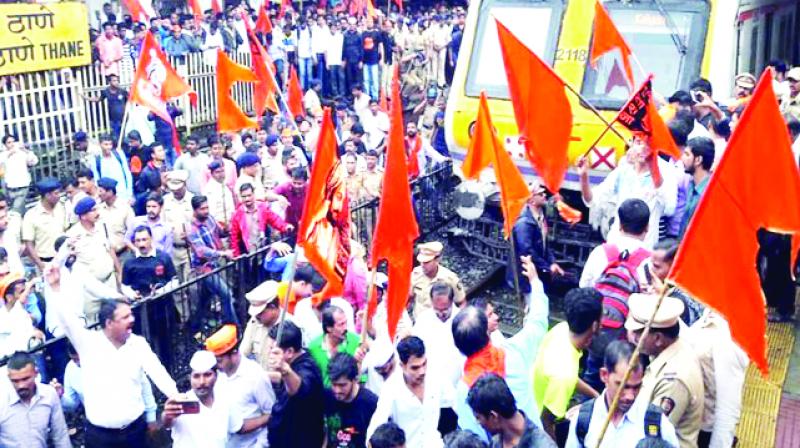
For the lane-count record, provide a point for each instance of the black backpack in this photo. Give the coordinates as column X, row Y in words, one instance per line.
column 652, row 421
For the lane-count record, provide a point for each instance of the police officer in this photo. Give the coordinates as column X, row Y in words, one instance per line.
column 44, row 223
column 264, row 314
column 178, row 213
column 115, row 213
column 674, row 378
column 634, row 418
column 430, row 271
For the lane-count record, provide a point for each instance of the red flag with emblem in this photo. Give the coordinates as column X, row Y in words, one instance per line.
column 605, row 38
column 541, row 109
column 715, row 262
column 265, row 87
column 396, row 228
column 324, row 230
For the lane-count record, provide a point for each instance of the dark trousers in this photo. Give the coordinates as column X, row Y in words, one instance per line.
column 336, row 81
column 322, row 74
column 353, row 76
column 776, row 277
column 132, row 436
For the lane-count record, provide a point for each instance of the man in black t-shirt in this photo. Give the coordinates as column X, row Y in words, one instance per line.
column 116, row 97
column 371, row 40
column 296, row 420
column 348, row 406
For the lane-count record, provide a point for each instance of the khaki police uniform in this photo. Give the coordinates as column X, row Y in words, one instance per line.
column 372, row 182
column 791, row 105
column 674, row 378
column 254, row 338
column 42, row 228
column 421, row 283
column 117, row 218
column 92, row 253
column 178, row 213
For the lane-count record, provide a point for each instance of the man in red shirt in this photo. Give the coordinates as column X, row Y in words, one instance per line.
column 295, row 192
column 250, row 222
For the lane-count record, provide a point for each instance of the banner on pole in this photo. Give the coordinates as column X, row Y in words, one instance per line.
column 42, row 37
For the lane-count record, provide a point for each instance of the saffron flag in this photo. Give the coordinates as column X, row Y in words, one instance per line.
column 640, row 116
column 141, row 11
column 215, row 6
column 605, row 38
column 396, row 228
column 716, row 260
column 197, row 11
column 294, row 94
column 230, row 117
column 371, row 12
column 263, row 24
column 324, row 230
column 541, row 109
column 265, row 87
column 156, row 81
column 399, row 5
column 282, row 9
column 484, row 149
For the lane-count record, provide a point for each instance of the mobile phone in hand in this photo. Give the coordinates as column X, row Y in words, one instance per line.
column 189, row 406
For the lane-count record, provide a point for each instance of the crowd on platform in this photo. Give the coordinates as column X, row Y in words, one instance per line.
column 140, row 218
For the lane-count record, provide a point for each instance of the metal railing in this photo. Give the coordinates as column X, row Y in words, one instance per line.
column 171, row 330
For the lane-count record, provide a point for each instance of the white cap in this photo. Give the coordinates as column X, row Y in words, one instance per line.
column 380, row 352
column 202, row 361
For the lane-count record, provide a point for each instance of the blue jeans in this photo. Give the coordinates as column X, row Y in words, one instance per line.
column 322, row 74
column 372, row 80
column 214, row 285
column 305, row 72
column 337, row 86
column 279, row 67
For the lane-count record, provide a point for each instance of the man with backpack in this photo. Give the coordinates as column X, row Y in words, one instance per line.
column 113, row 164
column 633, row 419
column 615, row 270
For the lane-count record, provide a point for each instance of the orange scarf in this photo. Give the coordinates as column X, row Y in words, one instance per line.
column 489, row 359
column 413, row 147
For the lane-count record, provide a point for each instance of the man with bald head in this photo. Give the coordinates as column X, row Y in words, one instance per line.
column 513, row 362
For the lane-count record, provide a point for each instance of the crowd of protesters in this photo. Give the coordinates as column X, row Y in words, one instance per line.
column 138, row 219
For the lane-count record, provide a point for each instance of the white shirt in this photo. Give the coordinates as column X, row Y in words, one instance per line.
column 598, row 261
column 11, row 243
column 220, row 201
column 16, row 329
column 210, row 428
column 444, row 359
column 381, row 325
column 304, row 43
column 15, row 167
column 309, row 323
column 115, row 398
column 376, row 127
column 625, row 183
column 333, row 51
column 629, row 431
column 361, row 107
column 311, row 101
column 320, row 37
column 250, row 393
column 418, row 420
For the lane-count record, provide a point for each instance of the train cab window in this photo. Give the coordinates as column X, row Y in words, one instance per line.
column 667, row 41
column 535, row 23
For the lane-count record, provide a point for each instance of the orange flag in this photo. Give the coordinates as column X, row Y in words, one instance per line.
column 137, row 10
column 399, row 5
column 605, row 38
column 230, row 117
column 324, row 230
column 265, row 87
column 486, row 148
column 197, row 11
column 263, row 24
column 640, row 116
column 215, row 6
column 294, row 94
column 371, row 10
column 156, row 81
column 541, row 109
column 383, row 102
column 716, row 260
column 396, row 228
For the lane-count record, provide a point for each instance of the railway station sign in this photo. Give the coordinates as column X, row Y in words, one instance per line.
column 37, row 37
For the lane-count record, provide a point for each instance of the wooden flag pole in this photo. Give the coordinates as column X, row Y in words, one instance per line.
column 632, row 362
column 594, row 110
column 285, row 305
column 370, row 288
column 123, row 125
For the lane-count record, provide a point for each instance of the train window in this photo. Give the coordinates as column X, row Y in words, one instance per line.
column 536, row 24
column 668, row 45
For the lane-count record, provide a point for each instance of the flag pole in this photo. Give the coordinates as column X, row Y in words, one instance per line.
column 593, row 109
column 285, row 306
column 123, row 125
column 632, row 362
column 515, row 269
column 597, row 140
column 370, row 288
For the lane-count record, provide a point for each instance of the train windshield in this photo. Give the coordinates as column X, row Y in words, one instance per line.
column 666, row 38
column 535, row 23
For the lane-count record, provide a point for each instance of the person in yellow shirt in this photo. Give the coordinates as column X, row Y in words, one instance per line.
column 555, row 371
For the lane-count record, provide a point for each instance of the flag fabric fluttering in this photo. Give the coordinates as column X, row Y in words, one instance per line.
column 294, row 94
column 216, row 7
column 324, row 229
column 715, row 262
column 396, row 228
column 541, row 109
column 263, row 24
column 141, row 10
column 399, row 4
column 230, row 116
column 606, row 37
column 484, row 149
column 640, row 116
column 265, row 87
column 196, row 10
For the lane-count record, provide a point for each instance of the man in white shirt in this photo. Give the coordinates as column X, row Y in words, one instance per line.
column 205, row 415
column 193, row 162
column 376, row 125
column 632, row 179
column 333, row 61
column 435, row 327
column 112, row 163
column 320, row 38
column 633, row 217
column 15, row 161
column 16, row 327
column 112, row 362
column 220, row 197
column 245, row 384
column 412, row 399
